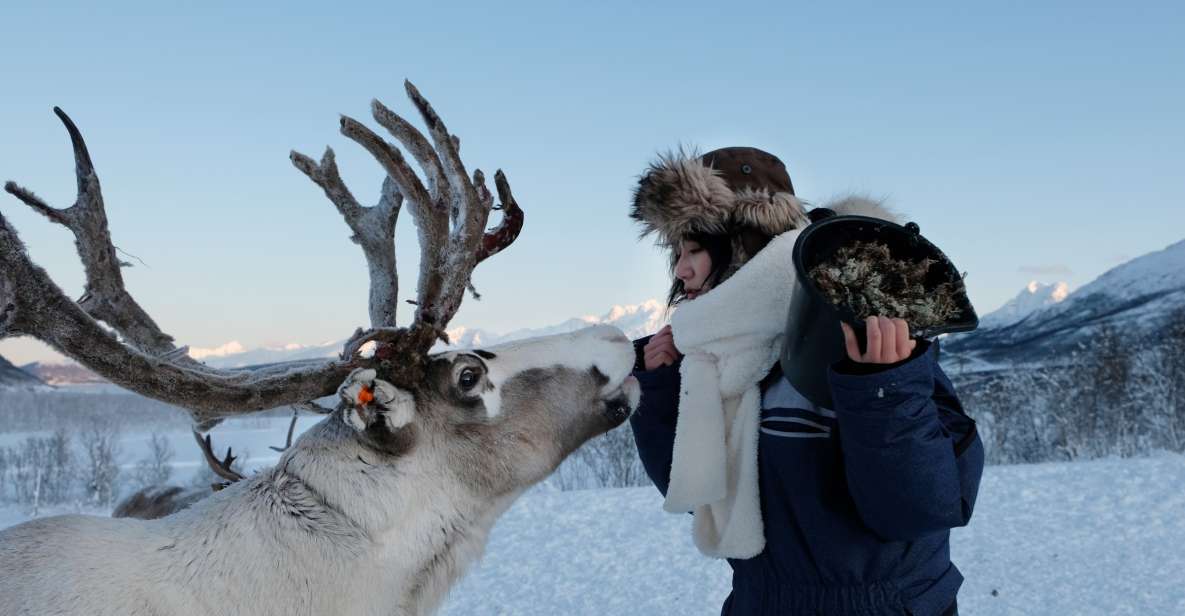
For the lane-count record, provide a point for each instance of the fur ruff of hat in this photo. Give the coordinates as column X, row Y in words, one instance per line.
column 679, row 195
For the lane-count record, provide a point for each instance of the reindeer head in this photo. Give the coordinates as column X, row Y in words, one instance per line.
column 501, row 418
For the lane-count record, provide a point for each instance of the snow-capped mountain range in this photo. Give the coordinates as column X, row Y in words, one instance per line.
column 1134, row 299
column 1035, row 296
column 1043, row 321
column 636, row 320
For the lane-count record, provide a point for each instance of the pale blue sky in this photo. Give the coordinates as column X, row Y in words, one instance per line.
column 1029, row 143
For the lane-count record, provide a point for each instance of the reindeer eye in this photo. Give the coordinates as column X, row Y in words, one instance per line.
column 468, row 379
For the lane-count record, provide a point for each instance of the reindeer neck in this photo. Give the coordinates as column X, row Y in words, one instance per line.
column 425, row 524
column 331, row 522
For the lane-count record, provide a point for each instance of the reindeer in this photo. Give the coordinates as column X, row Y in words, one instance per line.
column 377, row 509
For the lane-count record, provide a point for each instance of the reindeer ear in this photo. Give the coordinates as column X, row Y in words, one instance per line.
column 399, row 407
column 366, row 399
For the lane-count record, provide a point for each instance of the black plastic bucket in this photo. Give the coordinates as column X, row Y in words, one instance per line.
column 814, row 340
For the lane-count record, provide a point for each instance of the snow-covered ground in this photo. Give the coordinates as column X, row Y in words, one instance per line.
column 249, row 437
column 1101, row 537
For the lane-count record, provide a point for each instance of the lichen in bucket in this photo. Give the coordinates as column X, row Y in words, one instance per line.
column 864, row 278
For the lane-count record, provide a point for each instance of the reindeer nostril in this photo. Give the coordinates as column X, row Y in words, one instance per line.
column 618, row 410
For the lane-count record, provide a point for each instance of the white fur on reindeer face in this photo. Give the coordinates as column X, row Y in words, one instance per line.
column 485, row 372
column 512, row 412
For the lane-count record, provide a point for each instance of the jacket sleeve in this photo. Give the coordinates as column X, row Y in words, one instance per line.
column 912, row 457
column 654, row 421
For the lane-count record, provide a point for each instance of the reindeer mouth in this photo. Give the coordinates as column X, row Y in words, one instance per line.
column 618, row 408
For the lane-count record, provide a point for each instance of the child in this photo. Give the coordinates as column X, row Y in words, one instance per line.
column 819, row 511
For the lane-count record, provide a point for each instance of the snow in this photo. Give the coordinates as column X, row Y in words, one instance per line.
column 1098, row 537
column 1156, row 271
column 247, row 436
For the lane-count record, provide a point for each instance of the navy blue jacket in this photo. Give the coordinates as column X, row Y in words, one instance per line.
column 857, row 502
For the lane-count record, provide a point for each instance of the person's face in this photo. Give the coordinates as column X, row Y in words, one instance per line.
column 693, row 267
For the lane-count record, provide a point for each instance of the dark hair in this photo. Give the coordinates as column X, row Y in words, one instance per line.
column 719, row 249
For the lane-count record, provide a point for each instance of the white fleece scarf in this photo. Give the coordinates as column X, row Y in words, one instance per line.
column 730, row 338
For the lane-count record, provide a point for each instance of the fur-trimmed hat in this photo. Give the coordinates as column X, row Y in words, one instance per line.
column 742, row 193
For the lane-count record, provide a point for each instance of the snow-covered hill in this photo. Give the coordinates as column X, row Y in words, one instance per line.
column 1134, row 299
column 63, row 374
column 12, row 377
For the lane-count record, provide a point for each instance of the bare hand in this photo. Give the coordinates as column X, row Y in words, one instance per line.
column 660, row 351
column 888, row 341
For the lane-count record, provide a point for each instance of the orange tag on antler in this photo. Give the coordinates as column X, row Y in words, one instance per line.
column 365, row 396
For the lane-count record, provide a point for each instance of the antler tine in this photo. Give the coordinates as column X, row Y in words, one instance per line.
column 327, row 177
column 222, row 468
column 291, row 430
column 373, row 230
column 415, row 142
column 431, row 216
column 105, row 297
column 469, row 210
column 510, row 226
column 35, row 202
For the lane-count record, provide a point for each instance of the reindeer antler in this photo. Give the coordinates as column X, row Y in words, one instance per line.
column 105, row 297
column 224, row 467
column 448, row 252
column 451, row 213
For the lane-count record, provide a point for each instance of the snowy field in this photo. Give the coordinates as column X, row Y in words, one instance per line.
column 1101, row 537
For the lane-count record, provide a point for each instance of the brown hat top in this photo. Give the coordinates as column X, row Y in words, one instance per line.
column 749, row 168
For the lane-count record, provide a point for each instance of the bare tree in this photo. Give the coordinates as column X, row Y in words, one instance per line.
column 60, row 470
column 1111, row 396
column 100, row 443
column 155, row 468
column 1158, row 383
column 25, row 462
column 42, row 469
column 380, row 506
column 3, row 473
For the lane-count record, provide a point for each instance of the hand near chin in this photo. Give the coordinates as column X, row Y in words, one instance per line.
column 660, row 351
column 888, row 341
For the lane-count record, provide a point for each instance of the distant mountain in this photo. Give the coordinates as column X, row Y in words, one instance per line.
column 636, row 320
column 237, row 356
column 1035, row 296
column 62, row 374
column 12, row 377
column 1135, row 299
